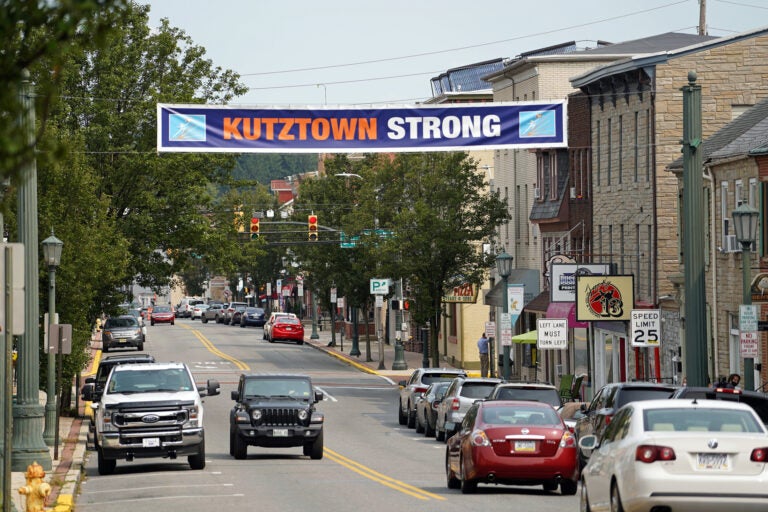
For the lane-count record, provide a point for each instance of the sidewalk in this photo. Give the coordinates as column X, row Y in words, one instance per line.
column 67, row 469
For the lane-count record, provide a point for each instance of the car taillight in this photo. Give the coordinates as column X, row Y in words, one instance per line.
column 759, row 455
column 568, row 440
column 419, row 389
column 479, row 438
column 650, row 453
column 455, row 403
column 608, row 419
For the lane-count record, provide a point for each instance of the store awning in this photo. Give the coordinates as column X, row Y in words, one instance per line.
column 527, row 337
column 538, row 304
column 565, row 310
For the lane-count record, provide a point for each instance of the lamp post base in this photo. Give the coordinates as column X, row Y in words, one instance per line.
column 399, row 362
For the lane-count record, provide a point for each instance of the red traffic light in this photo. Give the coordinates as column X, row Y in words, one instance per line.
column 312, row 227
column 406, row 304
column 254, row 227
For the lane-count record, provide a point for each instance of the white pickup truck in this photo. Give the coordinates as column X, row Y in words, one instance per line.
column 151, row 410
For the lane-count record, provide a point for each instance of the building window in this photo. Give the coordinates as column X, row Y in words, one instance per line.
column 738, row 193
column 648, row 145
column 552, row 156
column 753, row 192
column 724, row 214
column 609, row 152
column 636, row 156
column 636, row 268
column 621, row 147
column 598, row 156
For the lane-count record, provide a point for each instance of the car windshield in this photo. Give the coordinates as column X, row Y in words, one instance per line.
column 150, row 381
column 547, row 396
column 703, row 419
column 127, row 321
column 519, row 415
column 277, row 387
column 161, row 309
column 639, row 394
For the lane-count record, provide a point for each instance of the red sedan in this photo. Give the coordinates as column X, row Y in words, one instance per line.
column 287, row 328
column 162, row 315
column 512, row 443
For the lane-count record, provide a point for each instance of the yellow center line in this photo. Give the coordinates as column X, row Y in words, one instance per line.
column 380, row 478
column 212, row 348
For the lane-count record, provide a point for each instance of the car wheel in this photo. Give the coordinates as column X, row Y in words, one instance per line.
column 152, row 322
column 568, row 487
column 401, row 418
column 419, row 425
column 299, row 342
column 428, row 430
column 616, row 499
column 467, row 486
column 231, row 443
column 241, row 447
column 174, row 323
column 453, row 482
column 315, row 448
column 140, row 347
column 197, row 461
column 204, row 319
column 439, row 434
column 105, row 347
column 584, row 499
column 106, row 467
column 242, row 324
column 411, row 417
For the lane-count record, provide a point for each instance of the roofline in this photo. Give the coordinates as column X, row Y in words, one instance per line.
column 653, row 59
column 571, row 57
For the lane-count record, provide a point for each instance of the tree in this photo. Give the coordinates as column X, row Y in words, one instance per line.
column 440, row 212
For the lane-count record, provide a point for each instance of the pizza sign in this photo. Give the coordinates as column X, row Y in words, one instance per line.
column 604, row 298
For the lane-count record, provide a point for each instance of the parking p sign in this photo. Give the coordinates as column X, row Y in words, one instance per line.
column 379, row 286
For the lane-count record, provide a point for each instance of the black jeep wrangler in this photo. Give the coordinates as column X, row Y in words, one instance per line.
column 276, row 411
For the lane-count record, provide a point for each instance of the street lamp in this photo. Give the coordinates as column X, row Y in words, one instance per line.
column 745, row 222
column 52, row 253
column 504, row 269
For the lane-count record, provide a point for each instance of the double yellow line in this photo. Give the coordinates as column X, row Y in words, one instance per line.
column 378, row 477
column 212, row 349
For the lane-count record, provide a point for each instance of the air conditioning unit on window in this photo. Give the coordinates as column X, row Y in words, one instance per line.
column 731, row 244
column 573, row 192
column 537, row 193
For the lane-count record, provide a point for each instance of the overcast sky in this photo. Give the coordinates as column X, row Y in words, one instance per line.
column 345, row 52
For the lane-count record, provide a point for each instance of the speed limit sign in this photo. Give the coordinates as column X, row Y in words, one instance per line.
column 646, row 327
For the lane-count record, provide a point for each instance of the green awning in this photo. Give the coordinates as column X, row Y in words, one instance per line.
column 526, row 337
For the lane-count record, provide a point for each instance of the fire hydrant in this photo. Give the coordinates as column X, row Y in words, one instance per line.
column 36, row 490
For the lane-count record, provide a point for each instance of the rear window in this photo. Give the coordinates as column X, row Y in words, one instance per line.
column 547, row 396
column 112, row 323
column 288, row 320
column 520, row 416
column 699, row 420
column 628, row 395
column 476, row 389
column 429, row 378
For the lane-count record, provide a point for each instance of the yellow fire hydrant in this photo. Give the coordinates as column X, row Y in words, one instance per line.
column 36, row 490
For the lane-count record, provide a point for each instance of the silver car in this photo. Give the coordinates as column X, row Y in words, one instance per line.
column 459, row 397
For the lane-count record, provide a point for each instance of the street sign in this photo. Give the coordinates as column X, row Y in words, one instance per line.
column 747, row 318
column 379, row 301
column 505, row 330
column 646, row 327
column 333, row 295
column 490, row 329
column 749, row 342
column 61, row 336
column 552, row 333
column 379, row 286
column 340, row 303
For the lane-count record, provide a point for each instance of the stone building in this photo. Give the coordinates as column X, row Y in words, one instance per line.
column 636, row 130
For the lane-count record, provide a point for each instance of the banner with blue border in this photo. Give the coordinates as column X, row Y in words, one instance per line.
column 236, row 129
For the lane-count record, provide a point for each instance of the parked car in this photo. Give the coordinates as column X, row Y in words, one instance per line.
column 535, row 391
column 287, row 328
column 230, row 310
column 122, row 331
column 197, row 311
column 426, row 407
column 512, row 443
column 272, row 317
column 162, row 314
column 417, row 383
column 234, row 317
column 184, row 308
column 756, row 400
column 677, row 455
column 461, row 394
column 214, row 312
column 609, row 399
column 253, row 316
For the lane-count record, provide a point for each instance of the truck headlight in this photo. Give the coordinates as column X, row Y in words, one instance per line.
column 106, row 422
column 193, row 416
column 256, row 415
column 303, row 415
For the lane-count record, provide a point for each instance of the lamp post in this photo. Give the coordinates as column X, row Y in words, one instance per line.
column 314, row 335
column 504, row 269
column 52, row 253
column 745, row 222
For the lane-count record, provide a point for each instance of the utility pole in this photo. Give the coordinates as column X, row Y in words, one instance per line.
column 702, row 17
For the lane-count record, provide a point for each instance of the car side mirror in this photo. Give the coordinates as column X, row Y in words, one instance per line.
column 235, row 395
column 90, row 380
column 319, row 396
column 212, row 388
column 583, row 408
column 588, row 444
column 87, row 392
column 402, row 384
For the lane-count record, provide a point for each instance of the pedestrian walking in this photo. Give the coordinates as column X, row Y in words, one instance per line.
column 482, row 348
column 734, row 380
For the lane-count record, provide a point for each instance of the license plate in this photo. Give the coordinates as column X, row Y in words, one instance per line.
column 150, row 442
column 280, row 432
column 713, row 461
column 525, row 446
column 122, row 340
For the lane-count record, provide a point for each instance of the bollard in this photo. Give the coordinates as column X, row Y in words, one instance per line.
column 36, row 490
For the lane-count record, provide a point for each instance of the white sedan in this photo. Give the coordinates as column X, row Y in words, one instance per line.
column 198, row 310
column 678, row 455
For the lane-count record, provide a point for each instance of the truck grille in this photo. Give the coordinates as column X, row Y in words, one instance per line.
column 278, row 416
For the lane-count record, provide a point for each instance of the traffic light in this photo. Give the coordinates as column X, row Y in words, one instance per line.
column 395, row 304
column 254, row 228
column 406, row 304
column 312, row 227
